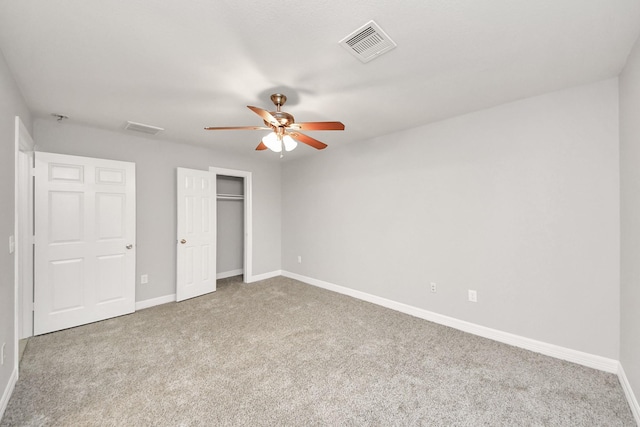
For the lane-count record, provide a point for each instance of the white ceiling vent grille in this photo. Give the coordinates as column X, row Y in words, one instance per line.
column 139, row 127
column 368, row 42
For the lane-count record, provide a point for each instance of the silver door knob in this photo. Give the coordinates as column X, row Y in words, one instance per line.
column 183, row 241
column 129, row 246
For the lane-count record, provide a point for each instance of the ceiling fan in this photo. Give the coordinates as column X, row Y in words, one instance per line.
column 285, row 132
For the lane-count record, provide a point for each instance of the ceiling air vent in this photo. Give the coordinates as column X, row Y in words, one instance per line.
column 368, row 42
column 139, row 127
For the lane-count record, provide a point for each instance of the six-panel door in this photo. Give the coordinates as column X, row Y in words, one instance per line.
column 85, row 240
column 196, row 233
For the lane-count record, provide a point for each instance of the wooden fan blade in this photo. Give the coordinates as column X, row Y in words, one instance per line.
column 261, row 146
column 308, row 140
column 238, row 128
column 318, row 126
column 266, row 116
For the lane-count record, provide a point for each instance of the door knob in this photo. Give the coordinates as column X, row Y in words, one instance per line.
column 183, row 241
column 129, row 246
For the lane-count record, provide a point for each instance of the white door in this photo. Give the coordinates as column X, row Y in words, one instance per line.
column 84, row 240
column 196, row 252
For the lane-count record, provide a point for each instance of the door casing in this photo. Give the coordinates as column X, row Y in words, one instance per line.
column 248, row 218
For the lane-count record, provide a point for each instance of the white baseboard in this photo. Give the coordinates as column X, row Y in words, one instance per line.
column 263, row 276
column 581, row 358
column 140, row 305
column 8, row 391
column 628, row 391
column 230, row 273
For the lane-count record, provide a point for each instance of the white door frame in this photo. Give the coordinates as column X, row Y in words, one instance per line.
column 23, row 257
column 25, row 242
column 248, row 217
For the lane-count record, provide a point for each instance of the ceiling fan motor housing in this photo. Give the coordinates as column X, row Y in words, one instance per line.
column 284, row 119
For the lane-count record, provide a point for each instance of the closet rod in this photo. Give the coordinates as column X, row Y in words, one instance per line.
column 230, row 197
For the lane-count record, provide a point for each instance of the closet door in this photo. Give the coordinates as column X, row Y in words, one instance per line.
column 196, row 234
column 85, row 233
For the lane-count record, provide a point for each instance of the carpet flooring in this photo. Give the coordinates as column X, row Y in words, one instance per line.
column 282, row 353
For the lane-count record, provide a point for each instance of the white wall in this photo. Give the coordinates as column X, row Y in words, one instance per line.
column 519, row 202
column 630, row 219
column 156, row 163
column 11, row 104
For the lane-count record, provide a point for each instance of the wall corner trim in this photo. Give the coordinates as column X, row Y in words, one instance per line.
column 141, row 305
column 575, row 356
column 8, row 391
column 628, row 391
column 264, row 276
column 230, row 273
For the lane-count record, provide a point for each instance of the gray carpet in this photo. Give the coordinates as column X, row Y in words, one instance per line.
column 282, row 353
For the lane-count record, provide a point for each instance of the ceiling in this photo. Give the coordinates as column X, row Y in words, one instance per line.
column 186, row 64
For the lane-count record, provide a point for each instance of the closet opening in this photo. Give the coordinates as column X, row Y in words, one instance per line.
column 234, row 242
column 230, row 245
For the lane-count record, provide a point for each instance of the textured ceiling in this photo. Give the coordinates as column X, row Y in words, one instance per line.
column 186, row 64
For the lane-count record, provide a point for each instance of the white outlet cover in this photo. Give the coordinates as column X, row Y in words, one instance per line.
column 473, row 296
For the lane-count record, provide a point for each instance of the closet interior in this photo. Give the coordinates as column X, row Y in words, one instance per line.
column 230, row 226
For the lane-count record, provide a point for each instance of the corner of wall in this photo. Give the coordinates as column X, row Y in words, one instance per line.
column 628, row 392
column 6, row 395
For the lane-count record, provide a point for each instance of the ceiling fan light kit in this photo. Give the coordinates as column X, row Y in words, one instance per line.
column 284, row 130
column 276, row 143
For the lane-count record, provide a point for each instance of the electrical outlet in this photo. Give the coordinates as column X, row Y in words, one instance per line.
column 434, row 287
column 473, row 296
column 144, row 279
column 2, row 353
column 299, row 259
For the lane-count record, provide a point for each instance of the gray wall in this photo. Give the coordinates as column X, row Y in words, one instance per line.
column 519, row 202
column 11, row 104
column 630, row 218
column 156, row 163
